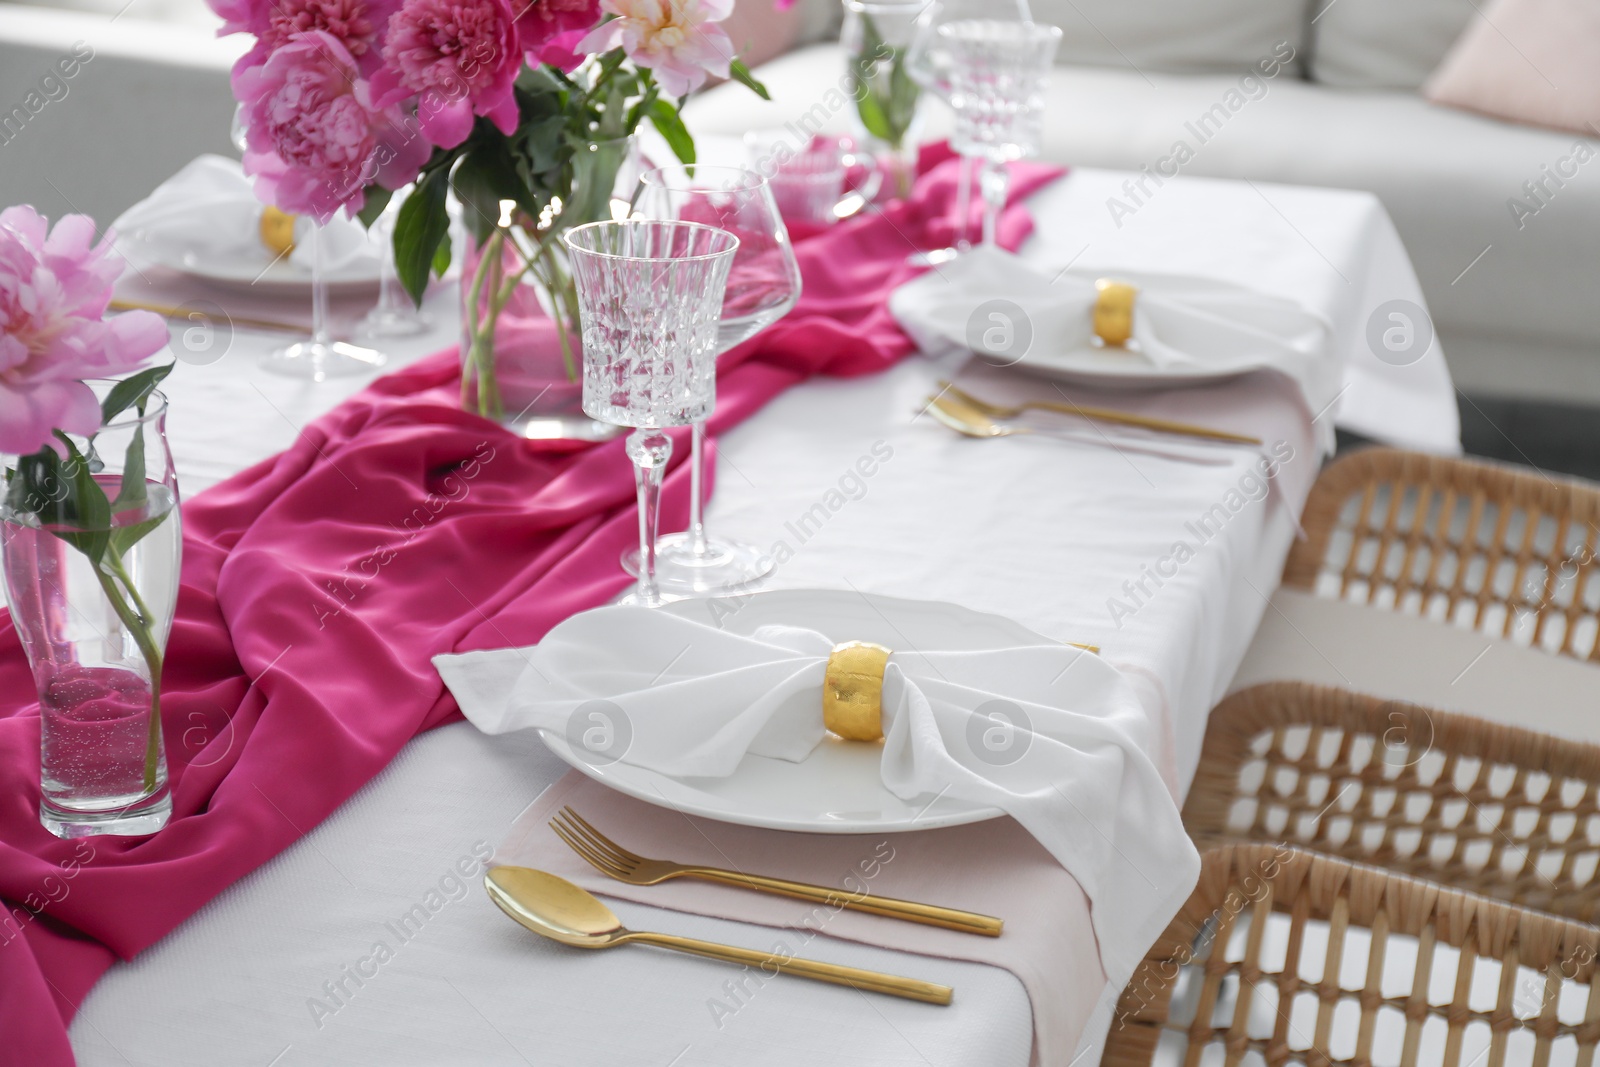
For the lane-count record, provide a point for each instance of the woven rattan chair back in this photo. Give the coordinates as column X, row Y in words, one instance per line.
column 1504, row 551
column 1286, row 957
column 1493, row 809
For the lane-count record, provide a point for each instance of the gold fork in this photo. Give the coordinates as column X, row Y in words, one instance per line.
column 1123, row 418
column 970, row 422
column 614, row 861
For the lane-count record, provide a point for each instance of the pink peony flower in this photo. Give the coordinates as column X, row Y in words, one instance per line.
column 314, row 137
column 550, row 30
column 679, row 40
column 240, row 16
column 54, row 289
column 353, row 23
column 356, row 24
column 461, row 57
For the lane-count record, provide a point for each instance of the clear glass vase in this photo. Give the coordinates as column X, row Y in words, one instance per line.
column 521, row 345
column 877, row 37
column 92, row 584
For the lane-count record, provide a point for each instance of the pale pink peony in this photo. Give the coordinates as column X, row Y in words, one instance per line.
column 679, row 40
column 550, row 30
column 314, row 137
column 54, row 289
column 460, row 57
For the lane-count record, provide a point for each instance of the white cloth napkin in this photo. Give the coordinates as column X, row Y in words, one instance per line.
column 698, row 699
column 1180, row 323
column 210, row 210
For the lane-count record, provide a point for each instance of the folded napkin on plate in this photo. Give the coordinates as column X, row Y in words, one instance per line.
column 698, row 699
column 1180, row 323
column 209, row 209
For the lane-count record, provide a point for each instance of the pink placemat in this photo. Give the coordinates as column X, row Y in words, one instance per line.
column 995, row 868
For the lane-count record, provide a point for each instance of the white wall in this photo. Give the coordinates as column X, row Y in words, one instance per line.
column 151, row 97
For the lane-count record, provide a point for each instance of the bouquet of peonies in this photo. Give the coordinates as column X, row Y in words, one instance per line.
column 345, row 102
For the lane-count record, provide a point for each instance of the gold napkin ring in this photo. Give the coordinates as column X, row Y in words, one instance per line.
column 1113, row 311
column 277, row 230
column 852, row 692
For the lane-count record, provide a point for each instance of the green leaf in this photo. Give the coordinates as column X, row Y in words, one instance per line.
column 90, row 523
column 125, row 537
column 541, row 143
column 538, row 81
column 669, row 124
column 742, row 75
column 903, row 96
column 377, row 199
column 441, row 259
column 594, row 178
column 133, row 492
column 422, row 225
column 873, row 117
column 134, row 389
column 487, row 175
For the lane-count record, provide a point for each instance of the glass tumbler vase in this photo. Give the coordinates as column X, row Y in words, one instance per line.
column 91, row 550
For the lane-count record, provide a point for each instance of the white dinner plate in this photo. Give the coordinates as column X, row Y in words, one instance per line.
column 256, row 271
column 1117, row 368
column 837, row 789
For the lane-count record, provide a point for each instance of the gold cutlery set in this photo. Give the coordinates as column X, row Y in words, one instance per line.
column 555, row 908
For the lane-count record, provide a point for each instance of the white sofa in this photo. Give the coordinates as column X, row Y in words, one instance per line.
column 1514, row 304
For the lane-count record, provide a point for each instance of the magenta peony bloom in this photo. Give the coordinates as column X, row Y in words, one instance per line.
column 460, row 57
column 550, row 30
column 356, row 24
column 54, row 289
column 315, row 138
column 353, row 23
column 679, row 40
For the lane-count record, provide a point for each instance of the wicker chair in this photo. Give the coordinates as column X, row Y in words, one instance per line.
column 1285, row 957
column 1494, row 809
column 1500, row 550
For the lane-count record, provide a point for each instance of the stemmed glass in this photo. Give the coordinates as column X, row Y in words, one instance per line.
column 992, row 72
column 394, row 315
column 763, row 285
column 649, row 295
column 319, row 357
column 996, row 73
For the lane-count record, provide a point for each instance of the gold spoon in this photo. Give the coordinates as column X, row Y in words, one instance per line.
column 555, row 908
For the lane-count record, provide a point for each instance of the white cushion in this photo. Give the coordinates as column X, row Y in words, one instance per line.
column 1445, row 176
column 1306, row 638
column 1189, row 36
column 1383, row 44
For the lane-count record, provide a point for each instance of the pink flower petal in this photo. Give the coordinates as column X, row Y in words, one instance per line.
column 449, row 125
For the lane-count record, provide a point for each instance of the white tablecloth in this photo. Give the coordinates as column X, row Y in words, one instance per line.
column 1007, row 526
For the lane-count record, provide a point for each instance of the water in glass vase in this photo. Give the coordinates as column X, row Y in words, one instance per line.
column 102, row 759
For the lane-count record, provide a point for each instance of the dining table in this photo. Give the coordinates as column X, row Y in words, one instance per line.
column 1073, row 538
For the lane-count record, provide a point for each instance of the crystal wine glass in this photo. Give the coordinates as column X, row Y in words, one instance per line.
column 650, row 293
column 763, row 285
column 930, row 64
column 992, row 73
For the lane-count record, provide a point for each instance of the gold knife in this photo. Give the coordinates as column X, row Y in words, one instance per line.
column 167, row 311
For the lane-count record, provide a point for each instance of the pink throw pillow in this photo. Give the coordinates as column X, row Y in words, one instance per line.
column 1529, row 61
